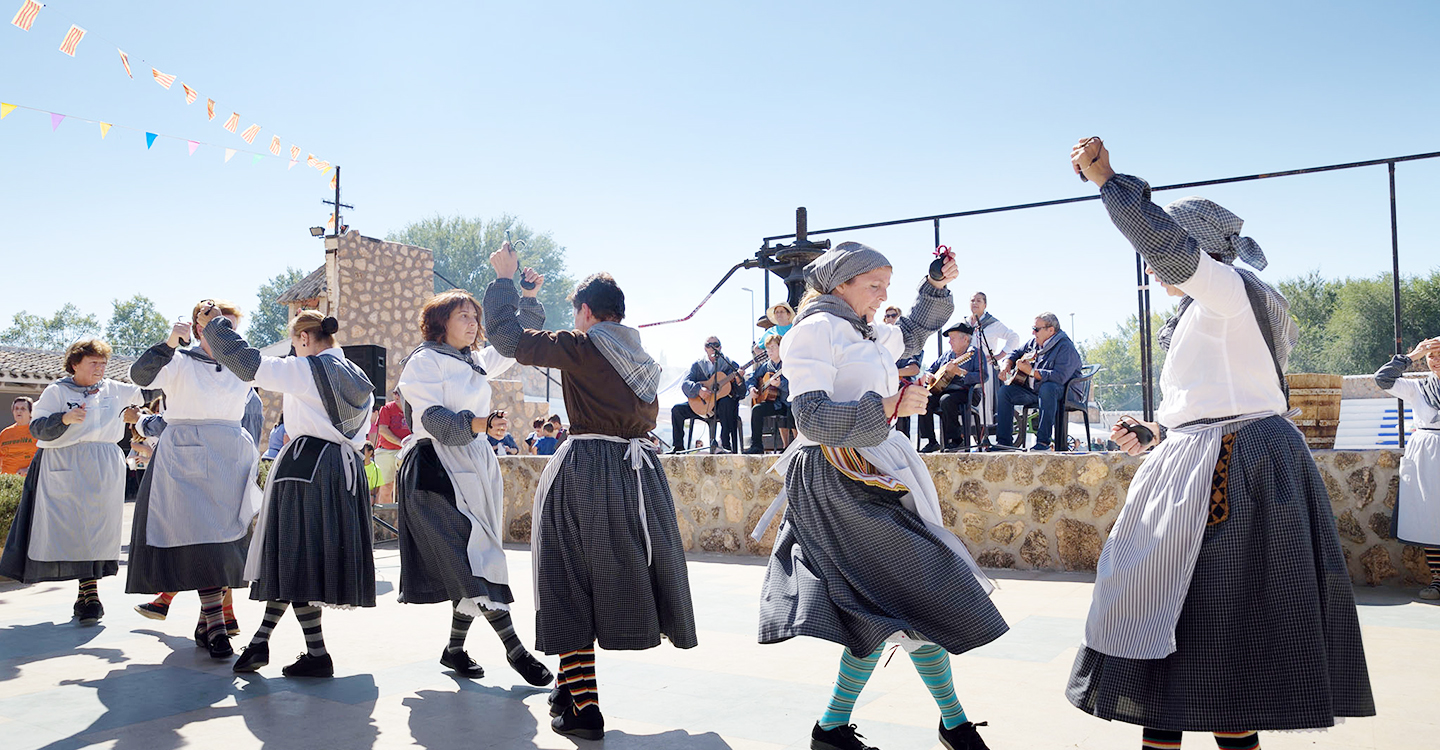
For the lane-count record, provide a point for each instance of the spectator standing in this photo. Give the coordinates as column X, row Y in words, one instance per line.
column 277, row 440
column 547, row 443
column 391, row 432
column 561, row 432
column 17, row 445
column 372, row 472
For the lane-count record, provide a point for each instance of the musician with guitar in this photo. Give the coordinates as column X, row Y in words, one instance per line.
column 1036, row 374
column 950, row 380
column 769, row 396
column 712, row 390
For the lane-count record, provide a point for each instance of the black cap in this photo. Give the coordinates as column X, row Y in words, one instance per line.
column 961, row 327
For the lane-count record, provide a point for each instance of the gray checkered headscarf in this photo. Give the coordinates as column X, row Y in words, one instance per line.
column 1216, row 231
column 841, row 264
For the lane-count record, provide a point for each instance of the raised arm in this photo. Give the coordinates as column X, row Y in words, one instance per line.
column 230, row 349
column 933, row 306
column 151, row 362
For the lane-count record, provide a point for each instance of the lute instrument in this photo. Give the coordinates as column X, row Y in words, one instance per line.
column 1017, row 377
column 719, row 385
column 943, row 379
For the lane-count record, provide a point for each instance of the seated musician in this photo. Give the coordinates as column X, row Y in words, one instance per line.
column 950, row 379
column 727, row 409
column 1040, row 370
column 769, row 383
column 908, row 367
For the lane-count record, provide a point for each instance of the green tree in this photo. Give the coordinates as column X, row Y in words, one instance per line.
column 1312, row 302
column 268, row 321
column 462, row 248
column 55, row 332
column 1347, row 326
column 1117, row 384
column 135, row 325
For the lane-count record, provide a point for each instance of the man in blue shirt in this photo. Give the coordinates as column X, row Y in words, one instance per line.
column 1047, row 363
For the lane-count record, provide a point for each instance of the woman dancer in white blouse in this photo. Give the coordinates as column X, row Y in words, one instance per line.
column 1417, row 511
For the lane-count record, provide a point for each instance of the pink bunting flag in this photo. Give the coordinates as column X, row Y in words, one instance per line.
column 292, row 165
column 194, row 145
column 233, row 123
column 275, row 145
column 250, row 133
column 190, row 94
column 210, row 108
column 55, row 120
column 229, row 152
column 72, row 40
column 27, row 14
column 125, row 60
column 162, row 79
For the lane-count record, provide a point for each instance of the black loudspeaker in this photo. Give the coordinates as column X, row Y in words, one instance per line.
column 371, row 359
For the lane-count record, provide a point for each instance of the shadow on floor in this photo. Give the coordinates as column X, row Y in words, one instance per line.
column 27, row 644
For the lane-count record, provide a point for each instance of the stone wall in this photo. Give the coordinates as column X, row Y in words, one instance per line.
column 378, row 290
column 1026, row 512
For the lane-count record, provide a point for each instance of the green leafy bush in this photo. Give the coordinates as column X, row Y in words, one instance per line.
column 10, row 485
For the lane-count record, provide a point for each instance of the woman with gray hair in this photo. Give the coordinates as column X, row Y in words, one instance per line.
column 862, row 556
column 1222, row 601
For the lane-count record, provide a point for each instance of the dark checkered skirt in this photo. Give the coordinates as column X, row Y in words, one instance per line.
column 16, row 563
column 594, row 583
column 1268, row 637
column 435, row 536
column 152, row 570
column 317, row 536
column 853, row 566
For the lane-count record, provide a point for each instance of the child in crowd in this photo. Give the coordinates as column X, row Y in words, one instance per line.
column 545, row 446
column 372, row 472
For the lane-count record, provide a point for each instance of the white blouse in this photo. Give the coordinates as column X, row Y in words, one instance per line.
column 304, row 411
column 826, row 353
column 195, row 390
column 1218, row 364
column 1409, row 390
column 434, row 379
column 102, row 411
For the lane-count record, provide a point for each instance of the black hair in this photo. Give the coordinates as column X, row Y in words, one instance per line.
column 603, row 295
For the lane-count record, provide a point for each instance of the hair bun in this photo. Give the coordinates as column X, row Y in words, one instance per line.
column 329, row 326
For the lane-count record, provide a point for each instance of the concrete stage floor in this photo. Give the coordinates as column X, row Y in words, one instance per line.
column 136, row 683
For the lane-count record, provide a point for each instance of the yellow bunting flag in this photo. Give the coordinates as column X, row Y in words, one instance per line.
column 162, row 79
column 125, row 60
column 5, row 109
column 72, row 40
column 250, row 133
column 275, row 145
column 233, row 123
column 27, row 14
column 190, row 94
column 210, row 108
column 229, row 152
column 104, row 130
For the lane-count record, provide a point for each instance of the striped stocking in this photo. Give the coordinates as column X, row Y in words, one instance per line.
column 1432, row 558
column 89, row 590
column 933, row 664
column 210, row 611
column 500, row 620
column 1237, row 740
column 854, row 673
column 1159, row 739
column 459, row 626
column 309, row 618
column 163, row 599
column 577, row 676
column 273, row 612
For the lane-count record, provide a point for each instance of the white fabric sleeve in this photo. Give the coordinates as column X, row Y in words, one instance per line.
column 1407, row 389
column 51, row 401
column 421, row 383
column 1008, row 339
column 494, row 362
column 1217, row 287
column 285, row 375
column 888, row 336
column 808, row 352
column 133, row 394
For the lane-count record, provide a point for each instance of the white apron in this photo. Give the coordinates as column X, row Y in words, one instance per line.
column 1144, row 572
column 1419, row 512
column 202, row 484
column 79, row 501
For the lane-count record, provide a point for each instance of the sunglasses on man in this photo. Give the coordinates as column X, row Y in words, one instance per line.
column 1037, row 329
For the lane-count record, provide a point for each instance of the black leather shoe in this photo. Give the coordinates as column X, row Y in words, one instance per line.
column 310, row 666
column 586, row 724
column 460, row 663
column 255, row 656
column 843, row 737
column 559, row 701
column 930, row 447
column 79, row 605
column 91, row 612
column 202, row 639
column 531, row 669
column 963, row 737
column 219, row 646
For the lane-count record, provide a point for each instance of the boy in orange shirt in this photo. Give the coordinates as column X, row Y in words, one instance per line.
column 17, row 445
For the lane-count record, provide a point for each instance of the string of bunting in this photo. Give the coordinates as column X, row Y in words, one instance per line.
column 30, row 10
column 150, row 137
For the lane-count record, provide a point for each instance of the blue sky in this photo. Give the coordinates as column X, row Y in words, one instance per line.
column 661, row 141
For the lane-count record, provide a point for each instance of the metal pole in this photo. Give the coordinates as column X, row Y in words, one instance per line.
column 1395, row 280
column 1149, row 352
column 1140, row 335
column 939, row 337
column 337, row 201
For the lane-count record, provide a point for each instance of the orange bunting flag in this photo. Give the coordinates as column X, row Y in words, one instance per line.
column 233, row 123
column 294, row 152
column 210, row 108
column 72, row 40
column 275, row 145
column 311, row 161
column 332, row 181
column 250, row 133
column 125, row 60
column 190, row 94
column 323, row 166
column 27, row 14
column 162, row 79
column 229, row 152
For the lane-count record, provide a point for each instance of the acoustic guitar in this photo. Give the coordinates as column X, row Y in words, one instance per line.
column 1019, row 378
column 946, row 376
column 719, row 385
column 769, row 389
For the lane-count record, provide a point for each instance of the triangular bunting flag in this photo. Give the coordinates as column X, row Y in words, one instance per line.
column 233, row 123
column 292, row 165
column 194, row 145
column 72, row 40
column 311, row 161
column 294, row 152
column 5, row 109
column 190, row 94
column 125, row 60
column 250, row 133
column 104, row 130
column 332, row 181
column 256, row 159
column 229, row 152
column 327, row 171
column 27, row 14
column 162, row 79
column 149, row 140
column 210, row 108
column 275, row 145
column 55, row 121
